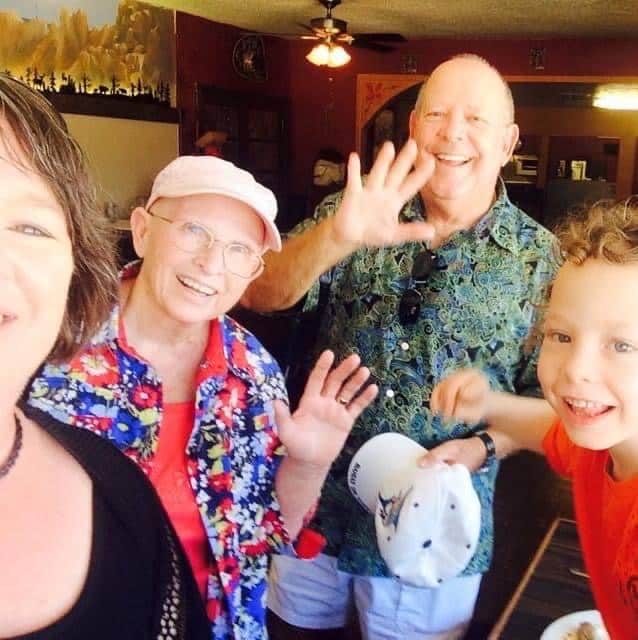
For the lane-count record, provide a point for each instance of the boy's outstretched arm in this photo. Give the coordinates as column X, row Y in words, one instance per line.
column 514, row 422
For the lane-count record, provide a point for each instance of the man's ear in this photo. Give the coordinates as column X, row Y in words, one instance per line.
column 509, row 142
column 140, row 220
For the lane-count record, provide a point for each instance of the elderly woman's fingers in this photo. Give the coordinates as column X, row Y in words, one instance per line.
column 336, row 378
column 319, row 373
column 360, row 402
column 446, row 452
column 353, row 384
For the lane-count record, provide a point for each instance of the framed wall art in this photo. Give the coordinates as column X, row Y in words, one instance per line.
column 249, row 58
column 112, row 58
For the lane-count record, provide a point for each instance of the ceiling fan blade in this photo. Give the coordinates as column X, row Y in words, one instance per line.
column 372, row 46
column 286, row 36
column 307, row 27
column 380, row 37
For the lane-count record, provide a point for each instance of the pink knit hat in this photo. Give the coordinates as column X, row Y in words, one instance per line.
column 192, row 175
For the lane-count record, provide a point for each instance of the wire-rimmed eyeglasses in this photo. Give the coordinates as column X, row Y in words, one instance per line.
column 410, row 302
column 194, row 237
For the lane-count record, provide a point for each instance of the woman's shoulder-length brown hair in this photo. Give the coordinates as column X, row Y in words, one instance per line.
column 55, row 156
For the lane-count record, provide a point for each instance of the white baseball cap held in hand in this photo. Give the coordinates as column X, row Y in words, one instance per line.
column 427, row 520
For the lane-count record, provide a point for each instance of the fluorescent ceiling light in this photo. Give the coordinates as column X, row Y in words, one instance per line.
column 616, row 96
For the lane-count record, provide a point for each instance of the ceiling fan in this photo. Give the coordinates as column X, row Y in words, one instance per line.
column 333, row 30
column 331, row 33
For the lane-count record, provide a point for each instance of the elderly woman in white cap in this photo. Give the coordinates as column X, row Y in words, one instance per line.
column 195, row 400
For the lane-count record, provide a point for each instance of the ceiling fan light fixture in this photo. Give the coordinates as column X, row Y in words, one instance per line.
column 319, row 55
column 332, row 55
column 338, row 56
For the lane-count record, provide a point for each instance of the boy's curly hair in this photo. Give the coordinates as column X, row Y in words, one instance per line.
column 606, row 231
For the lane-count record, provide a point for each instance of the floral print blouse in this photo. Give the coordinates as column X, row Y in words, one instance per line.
column 232, row 455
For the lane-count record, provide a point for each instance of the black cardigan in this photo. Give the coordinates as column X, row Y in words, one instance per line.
column 150, row 592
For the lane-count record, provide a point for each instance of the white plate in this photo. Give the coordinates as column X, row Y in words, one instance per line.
column 565, row 628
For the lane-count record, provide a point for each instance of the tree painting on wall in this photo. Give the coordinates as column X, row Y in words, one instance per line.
column 123, row 50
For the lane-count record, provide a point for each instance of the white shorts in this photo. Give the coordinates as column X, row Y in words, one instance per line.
column 314, row 594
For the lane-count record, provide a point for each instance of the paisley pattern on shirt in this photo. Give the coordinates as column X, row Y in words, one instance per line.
column 477, row 308
column 232, row 455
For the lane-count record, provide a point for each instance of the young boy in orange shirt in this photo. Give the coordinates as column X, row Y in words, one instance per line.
column 588, row 424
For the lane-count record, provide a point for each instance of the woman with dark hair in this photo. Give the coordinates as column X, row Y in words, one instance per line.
column 86, row 549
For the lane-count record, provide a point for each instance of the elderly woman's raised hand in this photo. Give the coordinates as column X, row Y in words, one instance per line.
column 332, row 401
column 368, row 213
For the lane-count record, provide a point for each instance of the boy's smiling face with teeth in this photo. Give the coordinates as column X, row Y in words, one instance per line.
column 588, row 365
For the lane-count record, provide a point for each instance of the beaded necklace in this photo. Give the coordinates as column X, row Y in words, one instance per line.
column 7, row 465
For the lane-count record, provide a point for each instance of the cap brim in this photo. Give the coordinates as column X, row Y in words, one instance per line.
column 272, row 239
column 383, row 455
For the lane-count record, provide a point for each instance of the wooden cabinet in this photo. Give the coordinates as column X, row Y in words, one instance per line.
column 258, row 141
column 257, row 128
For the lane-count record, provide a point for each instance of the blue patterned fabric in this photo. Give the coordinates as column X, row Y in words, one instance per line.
column 478, row 306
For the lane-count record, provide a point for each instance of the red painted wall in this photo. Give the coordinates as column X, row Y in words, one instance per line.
column 323, row 100
column 311, row 88
column 204, row 52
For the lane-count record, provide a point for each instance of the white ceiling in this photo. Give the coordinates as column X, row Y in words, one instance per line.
column 430, row 18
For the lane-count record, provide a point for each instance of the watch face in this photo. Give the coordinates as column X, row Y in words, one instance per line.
column 249, row 58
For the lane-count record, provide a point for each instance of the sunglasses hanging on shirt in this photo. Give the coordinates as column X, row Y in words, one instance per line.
column 410, row 302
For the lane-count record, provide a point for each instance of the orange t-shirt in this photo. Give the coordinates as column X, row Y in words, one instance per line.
column 607, row 518
column 170, row 478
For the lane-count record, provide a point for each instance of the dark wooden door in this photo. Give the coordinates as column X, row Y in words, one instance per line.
column 257, row 128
